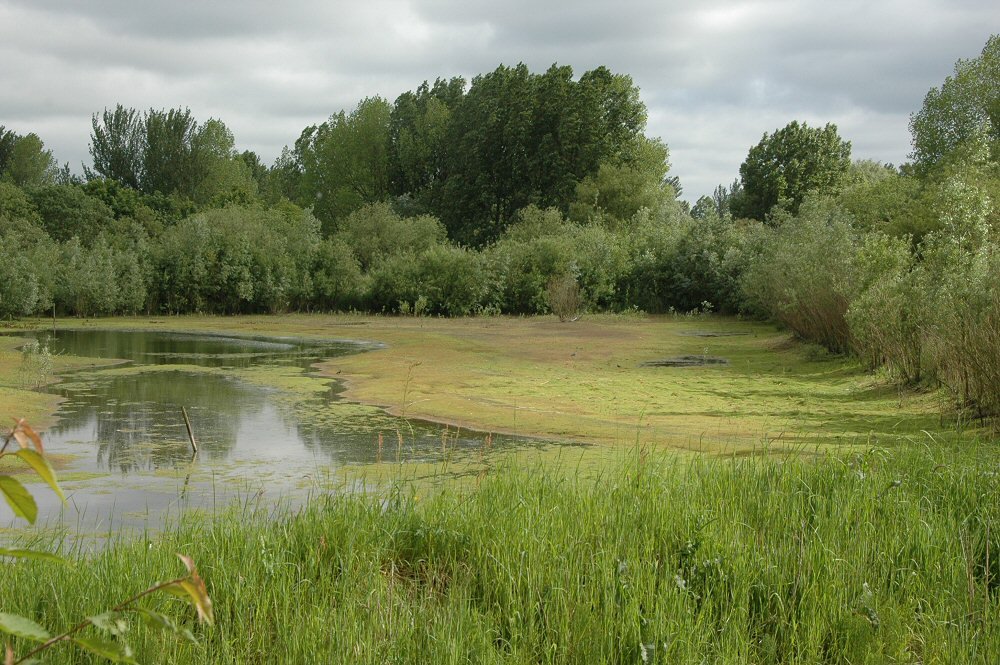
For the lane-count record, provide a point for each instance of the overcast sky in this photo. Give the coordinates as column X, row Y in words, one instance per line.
column 715, row 74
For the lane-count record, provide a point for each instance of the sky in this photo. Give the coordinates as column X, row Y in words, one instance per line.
column 716, row 75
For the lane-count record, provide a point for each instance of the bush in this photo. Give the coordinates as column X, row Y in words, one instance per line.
column 444, row 280
column 887, row 317
column 564, row 296
column 375, row 232
column 804, row 277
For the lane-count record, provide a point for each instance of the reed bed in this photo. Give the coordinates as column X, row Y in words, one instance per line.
column 882, row 556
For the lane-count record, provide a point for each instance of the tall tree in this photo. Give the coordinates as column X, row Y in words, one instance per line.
column 345, row 161
column 169, row 163
column 963, row 113
column 118, row 146
column 29, row 164
column 8, row 138
column 418, row 130
column 518, row 138
column 788, row 164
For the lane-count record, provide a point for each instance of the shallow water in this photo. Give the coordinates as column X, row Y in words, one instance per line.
column 130, row 459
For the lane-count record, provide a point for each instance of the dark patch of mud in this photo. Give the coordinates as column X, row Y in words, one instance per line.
column 685, row 361
column 712, row 333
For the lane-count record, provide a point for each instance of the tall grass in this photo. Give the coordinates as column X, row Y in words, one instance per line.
column 886, row 556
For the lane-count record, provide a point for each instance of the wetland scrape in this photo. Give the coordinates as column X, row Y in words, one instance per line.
column 263, row 419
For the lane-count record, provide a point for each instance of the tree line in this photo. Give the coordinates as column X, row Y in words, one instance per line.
column 481, row 197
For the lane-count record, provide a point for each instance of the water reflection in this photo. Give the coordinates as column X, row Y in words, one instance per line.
column 124, row 425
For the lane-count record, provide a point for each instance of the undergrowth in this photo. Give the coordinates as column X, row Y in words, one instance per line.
column 883, row 556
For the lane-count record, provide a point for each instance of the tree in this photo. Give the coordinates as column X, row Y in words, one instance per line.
column 168, row 161
column 788, row 164
column 29, row 164
column 618, row 191
column 963, row 113
column 418, row 130
column 118, row 146
column 8, row 137
column 168, row 152
column 67, row 211
column 518, row 138
column 345, row 162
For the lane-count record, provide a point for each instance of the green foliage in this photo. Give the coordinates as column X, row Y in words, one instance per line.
column 614, row 194
column 345, row 162
column 28, row 163
column 444, row 280
column 533, row 251
column 805, row 275
column 518, row 138
column 887, row 317
column 118, row 146
column 787, row 165
column 168, row 152
column 962, row 296
column 87, row 282
column 23, row 272
column 16, row 207
column 236, row 260
column 375, row 232
column 336, row 275
column 190, row 587
column 649, row 557
column 419, row 125
column 678, row 263
column 884, row 201
column 8, row 138
column 963, row 115
column 67, row 211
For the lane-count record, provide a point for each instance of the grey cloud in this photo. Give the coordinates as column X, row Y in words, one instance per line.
column 715, row 74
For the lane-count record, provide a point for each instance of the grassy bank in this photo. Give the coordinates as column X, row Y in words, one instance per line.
column 585, row 381
column 885, row 556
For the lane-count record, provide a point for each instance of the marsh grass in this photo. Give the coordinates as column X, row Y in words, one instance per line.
column 875, row 557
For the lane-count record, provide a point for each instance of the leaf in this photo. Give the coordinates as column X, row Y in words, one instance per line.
column 111, row 622
column 196, row 591
column 22, row 627
column 117, row 653
column 163, row 622
column 23, row 434
column 42, row 468
column 18, row 498
column 32, row 554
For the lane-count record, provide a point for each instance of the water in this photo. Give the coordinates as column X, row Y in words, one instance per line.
column 130, row 460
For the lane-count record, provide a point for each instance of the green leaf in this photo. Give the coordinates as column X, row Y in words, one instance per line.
column 116, row 653
column 163, row 622
column 111, row 622
column 18, row 498
column 32, row 554
column 22, row 627
column 42, row 468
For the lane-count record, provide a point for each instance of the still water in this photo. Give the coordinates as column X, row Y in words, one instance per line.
column 130, row 462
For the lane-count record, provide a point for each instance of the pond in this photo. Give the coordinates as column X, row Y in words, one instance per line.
column 264, row 422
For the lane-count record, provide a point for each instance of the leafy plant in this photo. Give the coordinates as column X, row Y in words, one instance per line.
column 190, row 587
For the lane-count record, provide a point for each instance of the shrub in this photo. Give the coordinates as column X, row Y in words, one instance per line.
column 804, row 277
column 564, row 296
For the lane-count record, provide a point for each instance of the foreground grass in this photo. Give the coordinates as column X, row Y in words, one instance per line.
column 885, row 556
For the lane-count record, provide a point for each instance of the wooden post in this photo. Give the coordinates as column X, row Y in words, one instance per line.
column 187, row 421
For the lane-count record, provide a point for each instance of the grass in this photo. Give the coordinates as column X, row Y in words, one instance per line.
column 885, row 556
column 794, row 551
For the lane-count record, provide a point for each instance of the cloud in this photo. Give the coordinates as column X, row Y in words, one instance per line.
column 715, row 75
